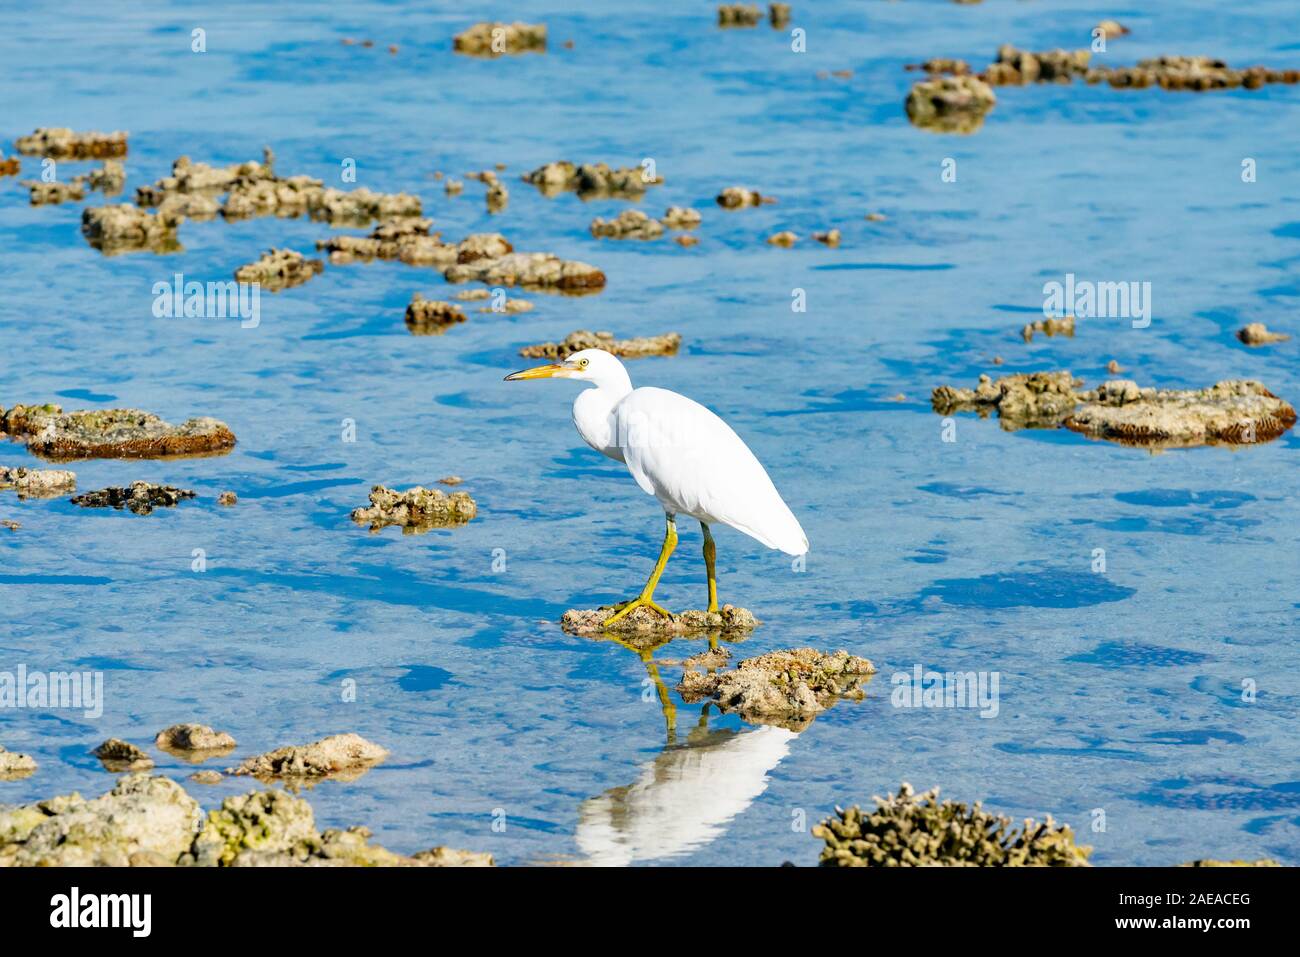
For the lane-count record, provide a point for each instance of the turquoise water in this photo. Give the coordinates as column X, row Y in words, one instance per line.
column 1119, row 691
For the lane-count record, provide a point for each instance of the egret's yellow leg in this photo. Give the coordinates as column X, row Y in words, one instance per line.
column 646, row 598
column 710, row 556
column 665, row 699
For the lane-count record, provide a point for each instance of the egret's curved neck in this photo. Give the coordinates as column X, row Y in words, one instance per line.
column 613, row 384
column 592, row 408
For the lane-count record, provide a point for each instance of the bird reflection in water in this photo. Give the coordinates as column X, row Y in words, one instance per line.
column 687, row 796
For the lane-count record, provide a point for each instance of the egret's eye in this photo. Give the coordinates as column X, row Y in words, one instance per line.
column 584, row 363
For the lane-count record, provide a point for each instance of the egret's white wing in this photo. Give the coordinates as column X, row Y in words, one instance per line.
column 692, row 461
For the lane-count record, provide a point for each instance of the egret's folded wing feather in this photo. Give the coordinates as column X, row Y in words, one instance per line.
column 693, row 462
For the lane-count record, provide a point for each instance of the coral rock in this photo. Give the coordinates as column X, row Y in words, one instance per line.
column 907, row 830
column 1233, row 412
column 665, row 345
column 37, row 483
column 643, row 621
column 140, row 497
column 950, row 104
column 431, row 316
column 279, row 269
column 416, row 510
column 629, row 224
column 786, row 688
column 1258, row 334
column 541, row 270
column 14, row 766
column 592, row 180
column 737, row 197
column 118, row 755
column 347, row 755
column 143, row 819
column 496, row 39
column 126, row 228
column 111, row 433
column 1050, row 326
column 186, row 739
column 63, row 143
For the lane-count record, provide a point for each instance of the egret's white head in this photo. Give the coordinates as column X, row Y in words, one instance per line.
column 589, row 365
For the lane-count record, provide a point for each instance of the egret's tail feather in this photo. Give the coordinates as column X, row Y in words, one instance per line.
column 786, row 536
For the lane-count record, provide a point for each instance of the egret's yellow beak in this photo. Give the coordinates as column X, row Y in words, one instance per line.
column 554, row 370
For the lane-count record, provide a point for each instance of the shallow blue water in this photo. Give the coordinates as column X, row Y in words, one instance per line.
column 1119, row 692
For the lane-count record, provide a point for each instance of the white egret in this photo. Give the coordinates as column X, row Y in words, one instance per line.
column 682, row 454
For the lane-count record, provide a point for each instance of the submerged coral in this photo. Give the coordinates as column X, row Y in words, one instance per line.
column 728, row 620
column 140, row 497
column 910, row 830
column 111, row 433
column 346, row 756
column 664, row 345
column 416, row 510
column 786, row 688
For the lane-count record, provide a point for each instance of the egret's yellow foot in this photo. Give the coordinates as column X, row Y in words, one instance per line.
column 627, row 607
column 646, row 598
